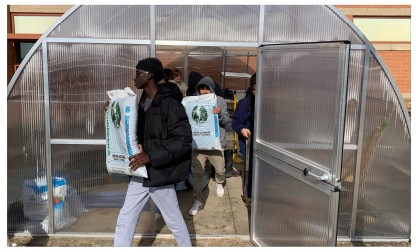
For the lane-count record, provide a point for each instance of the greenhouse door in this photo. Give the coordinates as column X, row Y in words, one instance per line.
column 299, row 128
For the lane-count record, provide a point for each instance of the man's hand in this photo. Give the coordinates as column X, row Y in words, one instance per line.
column 105, row 105
column 216, row 110
column 245, row 132
column 139, row 159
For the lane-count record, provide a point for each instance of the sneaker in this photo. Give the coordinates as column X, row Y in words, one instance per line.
column 195, row 208
column 220, row 190
column 232, row 173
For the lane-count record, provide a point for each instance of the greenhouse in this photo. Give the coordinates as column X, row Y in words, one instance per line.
column 332, row 138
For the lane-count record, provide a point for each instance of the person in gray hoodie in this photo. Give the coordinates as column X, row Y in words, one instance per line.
column 216, row 157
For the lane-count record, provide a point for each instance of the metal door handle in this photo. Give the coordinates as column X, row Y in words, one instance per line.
column 323, row 177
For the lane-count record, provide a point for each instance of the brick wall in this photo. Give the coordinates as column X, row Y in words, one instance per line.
column 373, row 6
column 398, row 62
column 11, row 58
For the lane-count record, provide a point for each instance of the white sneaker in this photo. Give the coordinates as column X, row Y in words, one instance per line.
column 220, row 190
column 195, row 208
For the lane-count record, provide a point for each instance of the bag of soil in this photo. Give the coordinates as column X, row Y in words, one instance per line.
column 120, row 132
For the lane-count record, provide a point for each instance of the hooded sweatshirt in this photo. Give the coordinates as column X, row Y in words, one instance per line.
column 166, row 136
column 223, row 117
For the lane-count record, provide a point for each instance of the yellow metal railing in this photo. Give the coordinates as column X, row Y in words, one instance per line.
column 236, row 158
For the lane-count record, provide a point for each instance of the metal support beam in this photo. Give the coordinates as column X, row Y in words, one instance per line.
column 360, row 144
column 48, row 153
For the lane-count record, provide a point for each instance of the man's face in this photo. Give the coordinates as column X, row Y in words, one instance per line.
column 204, row 89
column 253, row 89
column 166, row 77
column 177, row 79
column 142, row 77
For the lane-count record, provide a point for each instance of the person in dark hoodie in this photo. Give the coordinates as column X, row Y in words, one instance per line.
column 165, row 142
column 166, row 74
column 243, row 125
column 194, row 78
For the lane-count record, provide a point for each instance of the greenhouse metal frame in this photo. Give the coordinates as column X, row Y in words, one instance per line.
column 338, row 167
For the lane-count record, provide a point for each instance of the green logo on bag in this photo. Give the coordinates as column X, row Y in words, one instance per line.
column 116, row 114
column 199, row 114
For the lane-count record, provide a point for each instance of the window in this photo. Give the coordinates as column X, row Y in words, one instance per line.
column 384, row 29
column 33, row 24
column 27, row 29
column 22, row 49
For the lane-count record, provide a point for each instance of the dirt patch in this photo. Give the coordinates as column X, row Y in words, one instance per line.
column 45, row 241
column 374, row 244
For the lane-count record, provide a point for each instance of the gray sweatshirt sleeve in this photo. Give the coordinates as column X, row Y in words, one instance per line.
column 223, row 117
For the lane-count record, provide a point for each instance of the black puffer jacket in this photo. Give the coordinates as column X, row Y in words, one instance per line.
column 165, row 134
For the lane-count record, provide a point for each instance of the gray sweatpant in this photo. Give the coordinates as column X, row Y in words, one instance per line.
column 136, row 198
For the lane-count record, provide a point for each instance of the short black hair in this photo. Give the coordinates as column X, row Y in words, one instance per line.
column 253, row 80
column 153, row 66
column 203, row 86
column 167, row 71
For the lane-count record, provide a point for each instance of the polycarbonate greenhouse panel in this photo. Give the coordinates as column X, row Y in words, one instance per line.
column 91, row 191
column 25, row 110
column 174, row 59
column 106, row 22
column 299, row 101
column 26, row 126
column 299, row 23
column 26, row 148
column 346, row 194
column 385, row 175
column 227, row 23
column 297, row 213
column 355, row 80
column 206, row 63
column 79, row 77
column 84, row 169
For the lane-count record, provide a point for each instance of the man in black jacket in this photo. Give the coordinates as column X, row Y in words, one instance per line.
column 165, row 142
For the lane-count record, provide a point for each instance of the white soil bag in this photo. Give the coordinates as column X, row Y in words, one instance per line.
column 120, row 132
column 204, row 124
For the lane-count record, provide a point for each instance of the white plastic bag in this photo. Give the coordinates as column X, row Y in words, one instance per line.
column 120, row 132
column 204, row 124
column 35, row 198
